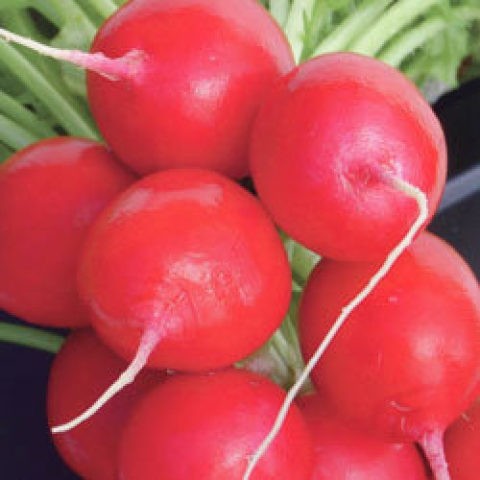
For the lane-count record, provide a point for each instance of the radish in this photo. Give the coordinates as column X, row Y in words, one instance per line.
column 462, row 445
column 343, row 453
column 329, row 145
column 350, row 161
column 184, row 271
column 50, row 193
column 406, row 364
column 206, row 426
column 81, row 370
column 177, row 83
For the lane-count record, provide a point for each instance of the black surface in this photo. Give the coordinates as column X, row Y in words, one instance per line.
column 26, row 452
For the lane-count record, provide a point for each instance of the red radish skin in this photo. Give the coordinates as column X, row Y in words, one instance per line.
column 184, row 271
column 81, row 370
column 206, row 426
column 343, row 453
column 336, row 132
column 194, row 255
column 50, row 193
column 406, row 363
column 177, row 83
column 205, row 66
column 462, row 445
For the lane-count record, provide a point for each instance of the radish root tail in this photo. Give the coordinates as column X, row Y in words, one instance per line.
column 125, row 67
column 420, row 197
column 148, row 342
column 432, row 445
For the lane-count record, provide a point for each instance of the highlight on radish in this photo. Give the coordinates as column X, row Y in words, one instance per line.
column 50, row 194
column 184, row 271
column 329, row 146
column 177, row 83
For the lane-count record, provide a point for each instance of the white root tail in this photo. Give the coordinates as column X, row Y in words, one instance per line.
column 422, row 202
column 111, row 68
column 432, row 445
column 148, row 342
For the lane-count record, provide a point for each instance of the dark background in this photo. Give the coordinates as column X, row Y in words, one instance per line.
column 26, row 452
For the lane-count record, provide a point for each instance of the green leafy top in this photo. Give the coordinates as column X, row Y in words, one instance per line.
column 427, row 39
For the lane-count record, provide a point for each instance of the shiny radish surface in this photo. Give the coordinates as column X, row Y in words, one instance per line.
column 193, row 259
column 205, row 426
column 406, row 361
column 193, row 73
column 337, row 132
column 50, row 194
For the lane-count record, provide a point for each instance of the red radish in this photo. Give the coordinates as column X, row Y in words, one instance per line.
column 327, row 146
column 79, row 373
column 406, row 363
column 343, row 453
column 206, row 426
column 50, row 193
column 182, row 80
column 185, row 270
column 462, row 445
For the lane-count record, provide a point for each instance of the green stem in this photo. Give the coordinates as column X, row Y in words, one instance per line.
column 408, row 42
column 69, row 11
column 24, row 117
column 351, row 27
column 294, row 27
column 279, row 10
column 401, row 14
column 66, row 114
column 30, row 337
column 14, row 135
column 105, row 8
column 468, row 13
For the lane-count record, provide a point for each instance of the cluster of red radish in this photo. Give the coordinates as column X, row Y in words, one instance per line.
column 183, row 270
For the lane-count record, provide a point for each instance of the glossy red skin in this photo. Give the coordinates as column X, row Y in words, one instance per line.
column 326, row 140
column 207, row 66
column 50, row 193
column 81, row 371
column 343, row 453
column 406, row 361
column 206, row 427
column 462, row 445
column 194, row 255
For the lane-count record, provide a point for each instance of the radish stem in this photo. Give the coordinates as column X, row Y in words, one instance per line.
column 30, row 337
column 395, row 53
column 422, row 203
column 37, row 83
column 148, row 342
column 351, row 27
column 14, row 135
column 397, row 17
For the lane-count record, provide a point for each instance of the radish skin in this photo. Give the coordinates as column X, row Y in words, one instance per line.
column 91, row 450
column 183, row 271
column 44, row 223
column 190, row 73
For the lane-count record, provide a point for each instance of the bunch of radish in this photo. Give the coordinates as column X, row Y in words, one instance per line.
column 182, row 274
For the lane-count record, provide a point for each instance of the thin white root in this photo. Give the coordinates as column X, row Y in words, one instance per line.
column 432, row 445
column 148, row 342
column 422, row 202
column 111, row 68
